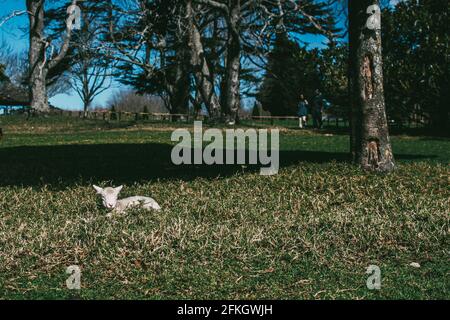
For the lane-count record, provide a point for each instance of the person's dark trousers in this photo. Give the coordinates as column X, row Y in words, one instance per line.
column 317, row 120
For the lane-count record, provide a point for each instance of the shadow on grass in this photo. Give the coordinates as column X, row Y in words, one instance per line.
column 65, row 165
column 425, row 133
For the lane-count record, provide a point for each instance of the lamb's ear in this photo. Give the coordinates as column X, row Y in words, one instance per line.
column 118, row 189
column 98, row 189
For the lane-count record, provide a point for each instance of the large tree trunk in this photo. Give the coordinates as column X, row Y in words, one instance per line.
column 371, row 147
column 179, row 91
column 38, row 63
column 38, row 69
column 233, row 66
column 38, row 90
column 181, row 94
column 202, row 73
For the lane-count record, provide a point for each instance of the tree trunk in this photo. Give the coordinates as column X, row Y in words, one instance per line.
column 371, row 147
column 38, row 91
column 182, row 88
column 38, row 63
column 179, row 91
column 202, row 73
column 86, row 106
column 233, row 67
column 38, row 69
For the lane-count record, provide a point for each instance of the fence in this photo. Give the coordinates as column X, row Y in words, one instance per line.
column 293, row 121
column 286, row 121
column 129, row 116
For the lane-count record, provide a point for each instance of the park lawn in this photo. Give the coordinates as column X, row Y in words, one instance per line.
column 225, row 232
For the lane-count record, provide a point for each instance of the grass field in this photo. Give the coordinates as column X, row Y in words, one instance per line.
column 225, row 232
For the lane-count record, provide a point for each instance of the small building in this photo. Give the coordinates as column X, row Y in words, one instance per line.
column 13, row 98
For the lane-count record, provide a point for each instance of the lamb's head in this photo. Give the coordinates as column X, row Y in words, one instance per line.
column 109, row 196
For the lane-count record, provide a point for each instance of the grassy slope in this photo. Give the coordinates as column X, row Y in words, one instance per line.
column 225, row 232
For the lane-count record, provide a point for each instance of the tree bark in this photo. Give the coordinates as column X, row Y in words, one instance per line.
column 181, row 94
column 233, row 65
column 86, row 106
column 179, row 88
column 201, row 70
column 39, row 64
column 370, row 142
column 38, row 68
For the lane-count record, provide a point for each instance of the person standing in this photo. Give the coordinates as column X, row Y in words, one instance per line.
column 302, row 112
column 317, row 110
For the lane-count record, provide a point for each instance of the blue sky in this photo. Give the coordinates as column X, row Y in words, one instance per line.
column 12, row 32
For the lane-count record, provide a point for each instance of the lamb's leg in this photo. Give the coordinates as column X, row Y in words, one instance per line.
column 152, row 205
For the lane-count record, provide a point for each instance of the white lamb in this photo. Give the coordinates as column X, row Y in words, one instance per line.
column 111, row 202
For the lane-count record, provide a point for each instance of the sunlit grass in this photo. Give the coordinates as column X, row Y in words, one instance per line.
column 309, row 232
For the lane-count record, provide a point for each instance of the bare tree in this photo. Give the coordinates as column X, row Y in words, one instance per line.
column 17, row 67
column 15, row 64
column 91, row 69
column 371, row 147
column 89, row 79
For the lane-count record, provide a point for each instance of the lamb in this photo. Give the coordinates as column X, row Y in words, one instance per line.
column 111, row 202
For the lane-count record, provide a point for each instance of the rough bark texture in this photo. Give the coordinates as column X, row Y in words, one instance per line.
column 370, row 143
column 38, row 68
column 233, row 64
column 179, row 89
column 202, row 73
column 39, row 64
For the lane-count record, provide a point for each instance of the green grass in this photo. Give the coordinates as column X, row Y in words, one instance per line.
column 309, row 232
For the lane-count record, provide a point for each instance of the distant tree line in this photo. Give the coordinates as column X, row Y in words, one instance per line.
column 130, row 101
